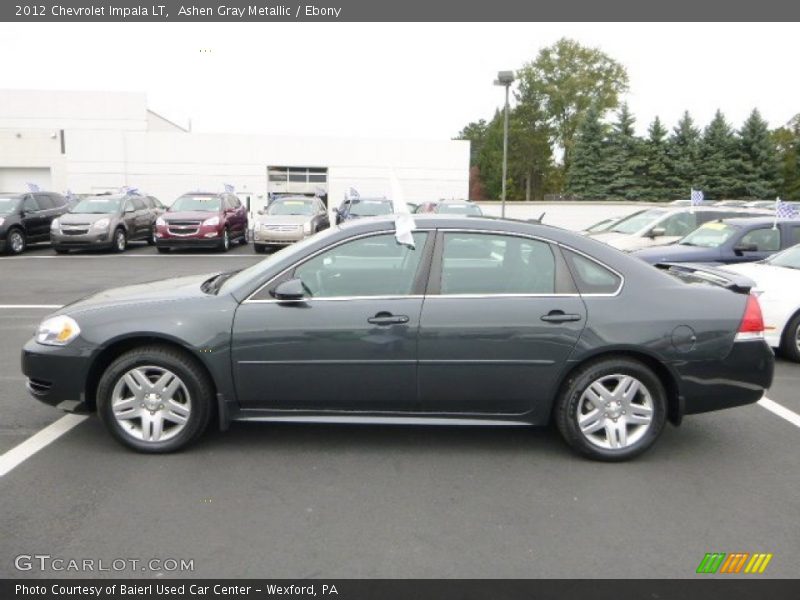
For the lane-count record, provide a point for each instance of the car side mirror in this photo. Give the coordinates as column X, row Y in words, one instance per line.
column 740, row 248
column 657, row 232
column 290, row 290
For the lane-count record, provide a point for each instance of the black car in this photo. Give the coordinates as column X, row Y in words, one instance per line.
column 25, row 218
column 481, row 322
column 357, row 208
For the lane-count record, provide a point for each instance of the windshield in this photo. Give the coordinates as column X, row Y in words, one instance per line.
column 196, row 203
column 788, row 258
column 370, row 208
column 710, row 235
column 96, row 206
column 447, row 208
column 291, row 207
column 8, row 205
column 638, row 221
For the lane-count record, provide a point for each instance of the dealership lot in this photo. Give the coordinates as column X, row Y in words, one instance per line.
column 345, row 501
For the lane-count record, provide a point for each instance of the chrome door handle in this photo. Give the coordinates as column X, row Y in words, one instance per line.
column 558, row 316
column 384, row 318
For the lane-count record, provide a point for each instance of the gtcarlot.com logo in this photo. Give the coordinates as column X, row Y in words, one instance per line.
column 736, row 562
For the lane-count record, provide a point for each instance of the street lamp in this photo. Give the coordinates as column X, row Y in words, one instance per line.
column 504, row 78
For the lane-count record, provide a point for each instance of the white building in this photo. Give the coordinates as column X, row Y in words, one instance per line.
column 98, row 141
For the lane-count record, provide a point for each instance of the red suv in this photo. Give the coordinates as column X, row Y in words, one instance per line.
column 202, row 220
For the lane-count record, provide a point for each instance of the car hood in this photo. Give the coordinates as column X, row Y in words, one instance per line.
column 189, row 215
column 283, row 219
column 622, row 241
column 677, row 253
column 164, row 290
column 79, row 218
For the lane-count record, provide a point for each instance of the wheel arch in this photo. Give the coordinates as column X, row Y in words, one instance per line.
column 116, row 348
column 668, row 378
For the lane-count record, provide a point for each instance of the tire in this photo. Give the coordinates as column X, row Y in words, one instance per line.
column 611, row 436
column 162, row 249
column 130, row 414
column 61, row 250
column 120, row 241
column 225, row 244
column 790, row 344
column 260, row 248
column 16, row 242
column 151, row 239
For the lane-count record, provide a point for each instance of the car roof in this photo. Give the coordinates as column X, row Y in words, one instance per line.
column 12, row 194
column 111, row 196
column 202, row 194
column 765, row 220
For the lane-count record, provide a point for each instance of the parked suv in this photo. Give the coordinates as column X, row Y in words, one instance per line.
column 105, row 221
column 202, row 220
column 25, row 218
column 660, row 226
column 287, row 220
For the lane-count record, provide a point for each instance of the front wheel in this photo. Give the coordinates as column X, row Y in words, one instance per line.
column 162, row 249
column 225, row 244
column 151, row 240
column 791, row 339
column 120, row 240
column 612, row 409
column 16, row 241
column 155, row 399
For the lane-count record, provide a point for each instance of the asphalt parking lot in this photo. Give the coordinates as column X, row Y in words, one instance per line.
column 304, row 501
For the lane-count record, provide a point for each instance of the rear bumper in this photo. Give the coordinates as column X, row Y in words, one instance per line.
column 56, row 375
column 740, row 378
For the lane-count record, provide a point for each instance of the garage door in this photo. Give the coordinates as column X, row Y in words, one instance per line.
column 16, row 179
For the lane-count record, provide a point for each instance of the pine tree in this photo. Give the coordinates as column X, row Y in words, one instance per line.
column 787, row 141
column 626, row 161
column 588, row 176
column 719, row 176
column 683, row 151
column 758, row 163
column 657, row 164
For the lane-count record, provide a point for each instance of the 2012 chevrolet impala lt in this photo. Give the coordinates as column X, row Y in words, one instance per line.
column 481, row 322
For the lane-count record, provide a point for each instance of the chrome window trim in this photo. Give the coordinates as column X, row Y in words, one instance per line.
column 250, row 300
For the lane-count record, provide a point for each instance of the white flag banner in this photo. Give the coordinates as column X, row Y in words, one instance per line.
column 404, row 223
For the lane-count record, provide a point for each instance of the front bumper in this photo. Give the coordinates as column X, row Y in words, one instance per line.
column 277, row 237
column 740, row 378
column 83, row 240
column 57, row 375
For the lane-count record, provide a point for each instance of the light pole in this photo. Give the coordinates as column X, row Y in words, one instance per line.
column 504, row 78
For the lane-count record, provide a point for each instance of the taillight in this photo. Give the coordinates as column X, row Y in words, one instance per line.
column 752, row 327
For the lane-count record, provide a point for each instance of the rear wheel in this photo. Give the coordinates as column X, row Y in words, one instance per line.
column 155, row 399
column 16, row 241
column 612, row 409
column 791, row 339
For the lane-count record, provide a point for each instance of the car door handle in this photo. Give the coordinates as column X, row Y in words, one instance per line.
column 385, row 318
column 559, row 316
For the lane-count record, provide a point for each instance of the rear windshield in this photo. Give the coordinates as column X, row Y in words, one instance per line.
column 291, row 207
column 710, row 235
column 96, row 206
column 638, row 221
column 8, row 205
column 370, row 208
column 196, row 203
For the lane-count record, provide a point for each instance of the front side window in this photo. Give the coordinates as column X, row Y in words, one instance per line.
column 679, row 225
column 30, row 204
column 482, row 263
column 370, row 266
column 764, row 240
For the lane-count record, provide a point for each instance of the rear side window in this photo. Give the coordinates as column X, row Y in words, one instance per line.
column 480, row 263
column 765, row 239
column 591, row 277
column 796, row 235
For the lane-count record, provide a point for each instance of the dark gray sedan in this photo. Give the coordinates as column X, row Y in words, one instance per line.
column 482, row 322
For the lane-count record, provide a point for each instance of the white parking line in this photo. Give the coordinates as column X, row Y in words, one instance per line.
column 780, row 410
column 48, row 306
column 19, row 454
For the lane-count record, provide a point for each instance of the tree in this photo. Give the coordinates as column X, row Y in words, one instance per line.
column 657, row 165
column 530, row 148
column 475, row 133
column 588, row 176
column 759, row 168
column 626, row 164
column 787, row 143
column 570, row 78
column 719, row 175
column 683, row 154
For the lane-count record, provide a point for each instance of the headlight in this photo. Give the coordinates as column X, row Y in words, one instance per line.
column 57, row 331
column 213, row 221
column 161, row 222
column 53, row 225
column 101, row 224
column 307, row 228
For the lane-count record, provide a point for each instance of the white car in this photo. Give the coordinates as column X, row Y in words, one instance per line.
column 660, row 226
column 778, row 289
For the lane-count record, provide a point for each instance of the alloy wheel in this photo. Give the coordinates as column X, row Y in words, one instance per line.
column 151, row 404
column 119, row 240
column 615, row 411
column 797, row 338
column 16, row 242
column 226, row 240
